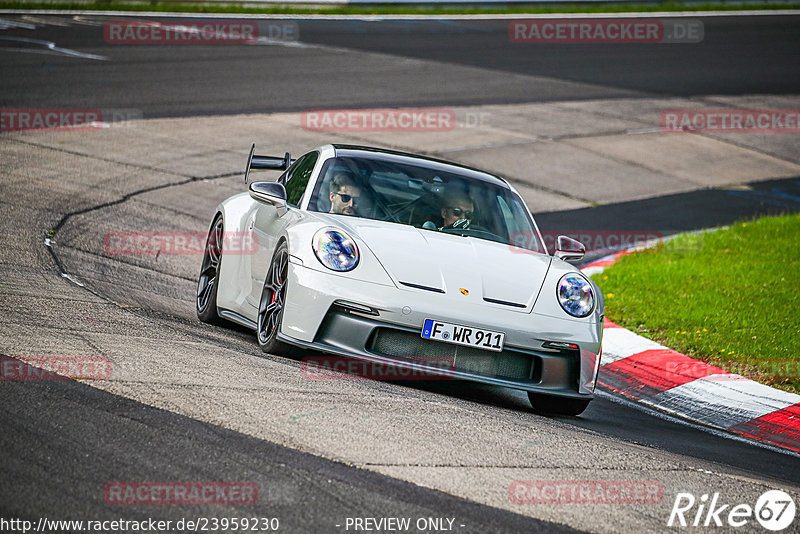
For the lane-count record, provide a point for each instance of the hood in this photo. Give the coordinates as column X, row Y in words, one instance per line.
column 426, row 260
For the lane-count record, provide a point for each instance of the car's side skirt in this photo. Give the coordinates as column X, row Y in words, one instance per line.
column 236, row 318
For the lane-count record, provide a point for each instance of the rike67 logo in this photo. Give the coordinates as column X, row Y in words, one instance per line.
column 774, row 510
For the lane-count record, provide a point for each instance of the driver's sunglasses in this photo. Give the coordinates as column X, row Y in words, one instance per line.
column 458, row 212
column 347, row 198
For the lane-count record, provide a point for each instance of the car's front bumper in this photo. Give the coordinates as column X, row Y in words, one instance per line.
column 312, row 319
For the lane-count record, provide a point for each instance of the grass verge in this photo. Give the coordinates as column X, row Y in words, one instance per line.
column 730, row 298
column 396, row 9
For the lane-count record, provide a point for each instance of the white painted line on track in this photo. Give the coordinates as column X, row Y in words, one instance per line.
column 6, row 24
column 71, row 279
column 49, row 47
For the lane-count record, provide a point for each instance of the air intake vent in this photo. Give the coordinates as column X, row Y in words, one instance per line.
column 505, row 303
column 426, row 288
column 410, row 346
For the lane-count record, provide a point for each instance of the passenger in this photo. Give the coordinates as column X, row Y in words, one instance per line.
column 345, row 194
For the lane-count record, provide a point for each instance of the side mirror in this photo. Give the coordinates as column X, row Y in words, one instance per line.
column 569, row 249
column 271, row 193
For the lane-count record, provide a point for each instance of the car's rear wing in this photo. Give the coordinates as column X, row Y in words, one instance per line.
column 274, row 163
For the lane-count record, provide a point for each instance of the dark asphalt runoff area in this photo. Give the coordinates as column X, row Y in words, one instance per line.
column 62, row 441
column 478, row 64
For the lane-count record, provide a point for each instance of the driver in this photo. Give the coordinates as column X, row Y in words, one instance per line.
column 457, row 210
column 345, row 194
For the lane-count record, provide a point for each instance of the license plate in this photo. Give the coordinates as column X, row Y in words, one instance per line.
column 463, row 335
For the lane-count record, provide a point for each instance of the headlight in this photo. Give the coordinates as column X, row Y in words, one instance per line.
column 575, row 295
column 335, row 249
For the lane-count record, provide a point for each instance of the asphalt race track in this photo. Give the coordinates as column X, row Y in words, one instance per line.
column 191, row 402
column 468, row 62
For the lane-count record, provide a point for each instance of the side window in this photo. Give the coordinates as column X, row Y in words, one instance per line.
column 298, row 176
column 520, row 232
column 511, row 225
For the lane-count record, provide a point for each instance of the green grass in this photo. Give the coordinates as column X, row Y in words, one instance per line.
column 730, row 298
column 396, row 9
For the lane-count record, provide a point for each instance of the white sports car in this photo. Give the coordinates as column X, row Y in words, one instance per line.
column 409, row 261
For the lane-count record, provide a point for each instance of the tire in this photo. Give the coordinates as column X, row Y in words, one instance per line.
column 208, row 281
column 551, row 405
column 272, row 302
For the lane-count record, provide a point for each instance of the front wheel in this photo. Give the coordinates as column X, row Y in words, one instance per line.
column 552, row 405
column 273, row 300
column 208, row 281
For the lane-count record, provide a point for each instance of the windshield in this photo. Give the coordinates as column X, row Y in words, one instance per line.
column 426, row 198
